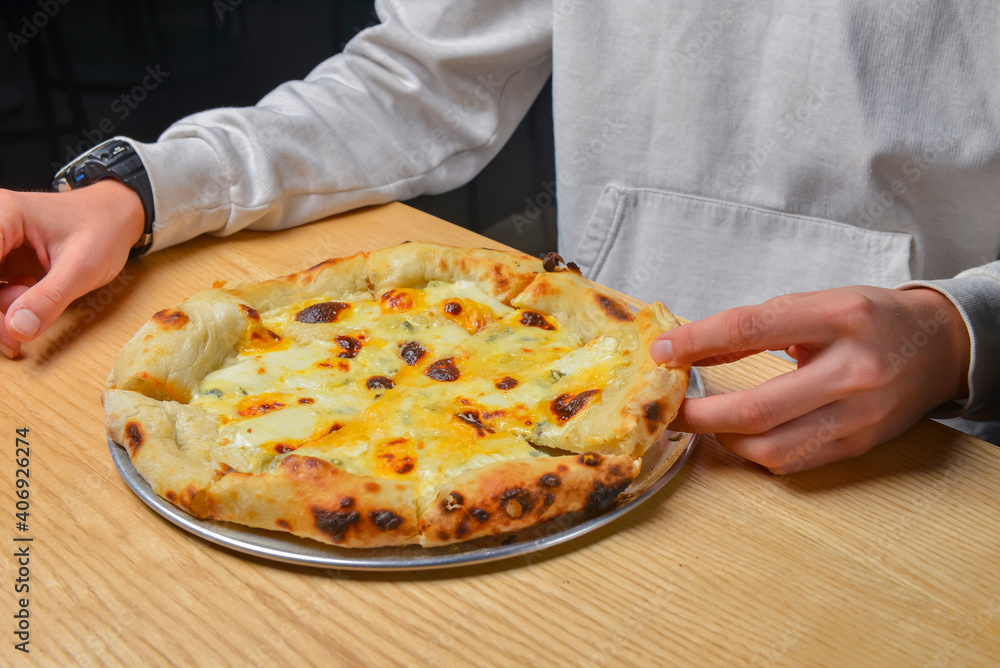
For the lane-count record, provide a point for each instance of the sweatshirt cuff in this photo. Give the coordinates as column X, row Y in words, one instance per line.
column 190, row 189
column 977, row 299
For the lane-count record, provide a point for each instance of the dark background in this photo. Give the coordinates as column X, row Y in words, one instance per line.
column 60, row 77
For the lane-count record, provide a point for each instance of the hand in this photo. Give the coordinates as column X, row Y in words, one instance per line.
column 55, row 247
column 871, row 362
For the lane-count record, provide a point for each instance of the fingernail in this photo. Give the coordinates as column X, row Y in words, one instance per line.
column 7, row 350
column 662, row 350
column 25, row 323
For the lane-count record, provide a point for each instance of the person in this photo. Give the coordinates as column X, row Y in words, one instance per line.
column 820, row 179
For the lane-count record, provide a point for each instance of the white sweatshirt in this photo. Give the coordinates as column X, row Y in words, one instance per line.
column 708, row 154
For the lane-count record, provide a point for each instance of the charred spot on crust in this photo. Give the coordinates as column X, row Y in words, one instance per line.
column 282, row 524
column 444, row 535
column 250, row 312
column 412, row 352
column 171, row 318
column 372, row 487
column 590, row 459
column 506, row 383
column 551, row 261
column 171, row 495
column 453, row 501
column 321, row 313
column 305, row 401
column 565, row 406
column 379, row 383
column 133, row 437
column 574, row 267
column 516, row 502
column 350, row 345
column 444, row 370
column 385, row 520
column 452, row 308
column 532, row 319
column 562, row 468
column 651, row 412
column 463, row 528
column 549, row 480
column 335, row 523
column 603, row 497
column 472, row 419
column 548, row 500
column 300, row 467
column 479, row 514
column 614, row 308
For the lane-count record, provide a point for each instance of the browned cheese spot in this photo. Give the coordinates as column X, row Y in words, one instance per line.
column 350, row 345
column 336, row 426
column 395, row 300
column 565, row 406
column 306, row 401
column 444, row 370
column 651, row 412
column 411, row 352
column 532, row 319
column 273, row 336
column 385, row 520
column 452, row 308
column 282, row 448
column 321, row 313
column 379, row 383
column 472, row 419
column 171, row 318
column 506, row 383
column 344, row 366
column 335, row 523
column 615, row 309
column 492, row 415
column 133, row 437
column 590, row 459
column 253, row 410
column 250, row 312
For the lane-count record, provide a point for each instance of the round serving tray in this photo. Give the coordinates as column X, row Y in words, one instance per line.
column 660, row 463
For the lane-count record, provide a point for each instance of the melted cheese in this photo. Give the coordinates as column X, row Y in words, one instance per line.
column 352, row 389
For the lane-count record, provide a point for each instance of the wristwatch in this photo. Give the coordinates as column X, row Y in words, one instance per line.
column 113, row 159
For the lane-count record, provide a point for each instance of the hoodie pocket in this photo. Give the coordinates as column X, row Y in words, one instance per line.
column 700, row 256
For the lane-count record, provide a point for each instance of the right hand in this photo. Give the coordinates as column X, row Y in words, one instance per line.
column 55, row 247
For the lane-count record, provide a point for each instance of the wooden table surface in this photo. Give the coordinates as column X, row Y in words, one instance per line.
column 891, row 559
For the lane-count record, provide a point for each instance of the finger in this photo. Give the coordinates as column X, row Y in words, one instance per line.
column 38, row 307
column 831, row 433
column 10, row 346
column 776, row 324
column 765, row 407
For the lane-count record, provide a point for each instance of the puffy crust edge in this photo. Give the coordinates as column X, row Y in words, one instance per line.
column 516, row 494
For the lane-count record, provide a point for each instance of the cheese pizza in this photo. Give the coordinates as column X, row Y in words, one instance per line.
column 419, row 394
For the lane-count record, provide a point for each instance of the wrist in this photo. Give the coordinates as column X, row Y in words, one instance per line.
column 954, row 352
column 122, row 205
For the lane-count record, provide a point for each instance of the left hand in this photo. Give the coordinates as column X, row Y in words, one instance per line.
column 871, row 362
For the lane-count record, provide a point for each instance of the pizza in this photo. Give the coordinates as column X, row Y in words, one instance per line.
column 418, row 394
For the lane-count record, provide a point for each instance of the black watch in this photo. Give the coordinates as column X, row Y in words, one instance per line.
column 113, row 159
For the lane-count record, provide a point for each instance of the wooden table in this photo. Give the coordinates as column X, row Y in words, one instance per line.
column 892, row 559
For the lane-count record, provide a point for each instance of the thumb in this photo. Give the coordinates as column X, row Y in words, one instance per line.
column 35, row 310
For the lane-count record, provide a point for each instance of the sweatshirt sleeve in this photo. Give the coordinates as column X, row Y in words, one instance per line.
column 976, row 294
column 418, row 104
